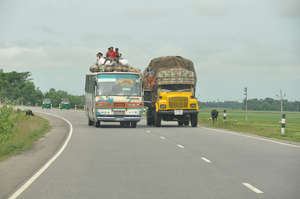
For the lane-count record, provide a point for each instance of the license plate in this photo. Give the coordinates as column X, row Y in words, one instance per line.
column 119, row 112
column 178, row 112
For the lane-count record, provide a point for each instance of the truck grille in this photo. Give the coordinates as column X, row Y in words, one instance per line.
column 178, row 102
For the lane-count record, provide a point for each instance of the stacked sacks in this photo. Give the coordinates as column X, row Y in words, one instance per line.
column 115, row 67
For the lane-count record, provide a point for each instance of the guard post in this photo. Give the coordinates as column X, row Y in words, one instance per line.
column 224, row 115
column 283, row 124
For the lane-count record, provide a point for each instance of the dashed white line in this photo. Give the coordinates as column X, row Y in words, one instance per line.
column 206, row 160
column 162, row 137
column 252, row 188
column 180, row 146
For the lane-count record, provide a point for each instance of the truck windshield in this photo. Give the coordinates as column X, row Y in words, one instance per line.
column 176, row 88
column 119, row 85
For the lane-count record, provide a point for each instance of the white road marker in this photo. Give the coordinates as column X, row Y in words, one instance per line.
column 206, row 160
column 148, row 131
column 18, row 192
column 162, row 137
column 252, row 188
column 180, row 146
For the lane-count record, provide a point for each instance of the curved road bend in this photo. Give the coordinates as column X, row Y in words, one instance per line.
column 167, row 162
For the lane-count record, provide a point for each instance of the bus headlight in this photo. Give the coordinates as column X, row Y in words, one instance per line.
column 193, row 105
column 162, row 106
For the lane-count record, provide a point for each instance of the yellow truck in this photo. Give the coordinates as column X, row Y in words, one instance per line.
column 169, row 91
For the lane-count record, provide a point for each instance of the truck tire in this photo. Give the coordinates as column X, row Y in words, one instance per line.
column 180, row 123
column 150, row 120
column 186, row 123
column 97, row 124
column 133, row 124
column 90, row 122
column 157, row 119
column 194, row 120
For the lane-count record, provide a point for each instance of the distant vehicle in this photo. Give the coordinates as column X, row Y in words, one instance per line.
column 169, row 91
column 114, row 97
column 65, row 104
column 47, row 103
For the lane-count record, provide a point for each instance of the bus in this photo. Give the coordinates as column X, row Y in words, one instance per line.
column 114, row 97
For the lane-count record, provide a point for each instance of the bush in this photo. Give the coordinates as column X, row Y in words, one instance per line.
column 6, row 123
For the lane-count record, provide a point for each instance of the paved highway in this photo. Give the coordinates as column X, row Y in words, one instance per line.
column 167, row 162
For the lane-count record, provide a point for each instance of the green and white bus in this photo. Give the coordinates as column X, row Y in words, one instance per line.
column 114, row 97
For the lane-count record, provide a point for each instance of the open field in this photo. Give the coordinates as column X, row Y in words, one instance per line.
column 263, row 123
column 25, row 130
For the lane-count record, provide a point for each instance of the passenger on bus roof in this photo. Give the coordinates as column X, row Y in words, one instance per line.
column 100, row 59
column 110, row 55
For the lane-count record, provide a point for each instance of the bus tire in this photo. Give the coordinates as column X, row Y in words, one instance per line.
column 90, row 122
column 133, row 124
column 97, row 124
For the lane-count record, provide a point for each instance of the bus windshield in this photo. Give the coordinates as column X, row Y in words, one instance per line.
column 119, row 85
column 176, row 88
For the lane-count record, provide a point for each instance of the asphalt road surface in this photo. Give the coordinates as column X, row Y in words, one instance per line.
column 167, row 162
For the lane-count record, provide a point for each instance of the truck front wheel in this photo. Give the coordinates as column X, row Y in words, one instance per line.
column 97, row 124
column 194, row 120
column 157, row 119
column 150, row 119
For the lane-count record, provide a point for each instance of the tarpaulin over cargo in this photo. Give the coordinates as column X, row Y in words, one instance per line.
column 175, row 76
column 169, row 70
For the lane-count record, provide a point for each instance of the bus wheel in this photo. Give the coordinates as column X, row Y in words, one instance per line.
column 97, row 124
column 133, row 124
column 194, row 120
column 90, row 122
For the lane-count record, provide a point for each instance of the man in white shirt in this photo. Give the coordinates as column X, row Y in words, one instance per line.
column 100, row 59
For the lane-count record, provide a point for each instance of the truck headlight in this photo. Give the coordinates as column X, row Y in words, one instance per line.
column 162, row 106
column 193, row 105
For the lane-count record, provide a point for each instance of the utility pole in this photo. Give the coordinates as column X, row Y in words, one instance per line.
column 281, row 96
column 246, row 102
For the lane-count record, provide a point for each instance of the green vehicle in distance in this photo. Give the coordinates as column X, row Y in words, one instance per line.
column 46, row 103
column 65, row 104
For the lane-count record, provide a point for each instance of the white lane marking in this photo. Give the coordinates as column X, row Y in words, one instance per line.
column 148, row 131
column 252, row 188
column 206, row 160
column 48, row 163
column 162, row 137
column 180, row 146
column 254, row 137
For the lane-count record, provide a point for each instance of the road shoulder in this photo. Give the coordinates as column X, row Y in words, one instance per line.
column 18, row 168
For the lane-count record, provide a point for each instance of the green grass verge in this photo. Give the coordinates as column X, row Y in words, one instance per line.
column 25, row 131
column 263, row 123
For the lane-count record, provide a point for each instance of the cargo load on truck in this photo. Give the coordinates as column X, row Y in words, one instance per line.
column 115, row 67
column 169, row 70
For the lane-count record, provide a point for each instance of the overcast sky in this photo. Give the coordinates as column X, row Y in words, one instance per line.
column 233, row 43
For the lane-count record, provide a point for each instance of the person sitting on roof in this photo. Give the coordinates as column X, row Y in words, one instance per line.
column 118, row 55
column 100, row 59
column 110, row 55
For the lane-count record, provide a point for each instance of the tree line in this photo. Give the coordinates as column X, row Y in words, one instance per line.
column 266, row 104
column 18, row 88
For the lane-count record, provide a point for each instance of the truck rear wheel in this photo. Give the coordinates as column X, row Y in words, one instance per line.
column 194, row 120
column 186, row 123
column 157, row 119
